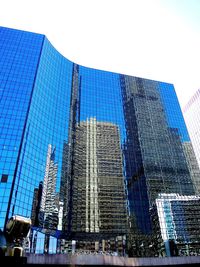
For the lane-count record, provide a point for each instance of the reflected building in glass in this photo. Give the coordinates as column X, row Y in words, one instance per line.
column 177, row 217
column 100, row 146
column 98, row 199
column 48, row 215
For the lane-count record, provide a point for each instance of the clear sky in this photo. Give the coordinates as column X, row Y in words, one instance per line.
column 154, row 39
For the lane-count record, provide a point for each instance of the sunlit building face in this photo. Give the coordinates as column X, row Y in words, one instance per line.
column 85, row 152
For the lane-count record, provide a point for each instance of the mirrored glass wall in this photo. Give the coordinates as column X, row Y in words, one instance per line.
column 94, row 158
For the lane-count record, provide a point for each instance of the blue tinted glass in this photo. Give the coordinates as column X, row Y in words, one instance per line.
column 86, row 153
column 46, row 129
column 172, row 109
column 19, row 57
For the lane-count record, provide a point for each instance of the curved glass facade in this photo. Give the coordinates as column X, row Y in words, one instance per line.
column 85, row 153
column 20, row 56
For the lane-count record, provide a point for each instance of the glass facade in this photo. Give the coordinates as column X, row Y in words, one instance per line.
column 35, row 95
column 178, row 230
column 191, row 114
column 84, row 152
column 20, row 56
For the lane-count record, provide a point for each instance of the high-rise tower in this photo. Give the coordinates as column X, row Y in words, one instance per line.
column 154, row 150
column 98, row 200
column 191, row 113
column 48, row 205
column 109, row 130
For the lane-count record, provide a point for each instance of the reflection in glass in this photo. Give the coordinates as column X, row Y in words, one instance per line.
column 88, row 154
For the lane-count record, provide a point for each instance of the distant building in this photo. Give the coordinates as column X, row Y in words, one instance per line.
column 98, row 209
column 192, row 165
column 154, row 151
column 36, row 205
column 178, row 217
column 49, row 203
column 191, row 113
column 99, row 199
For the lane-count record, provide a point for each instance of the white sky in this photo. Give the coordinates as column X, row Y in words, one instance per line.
column 154, row 39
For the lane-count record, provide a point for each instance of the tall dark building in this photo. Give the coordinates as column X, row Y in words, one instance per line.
column 120, row 142
column 177, row 216
column 37, row 196
column 155, row 151
column 98, row 200
column 48, row 204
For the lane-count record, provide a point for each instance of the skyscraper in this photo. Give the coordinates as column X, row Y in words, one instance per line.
column 98, row 200
column 48, row 205
column 120, row 142
column 192, row 118
column 177, row 215
column 154, row 150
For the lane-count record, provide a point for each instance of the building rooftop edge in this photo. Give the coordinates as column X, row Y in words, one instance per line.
column 83, row 66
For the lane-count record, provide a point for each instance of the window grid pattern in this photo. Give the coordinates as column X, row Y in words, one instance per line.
column 87, row 151
column 19, row 55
